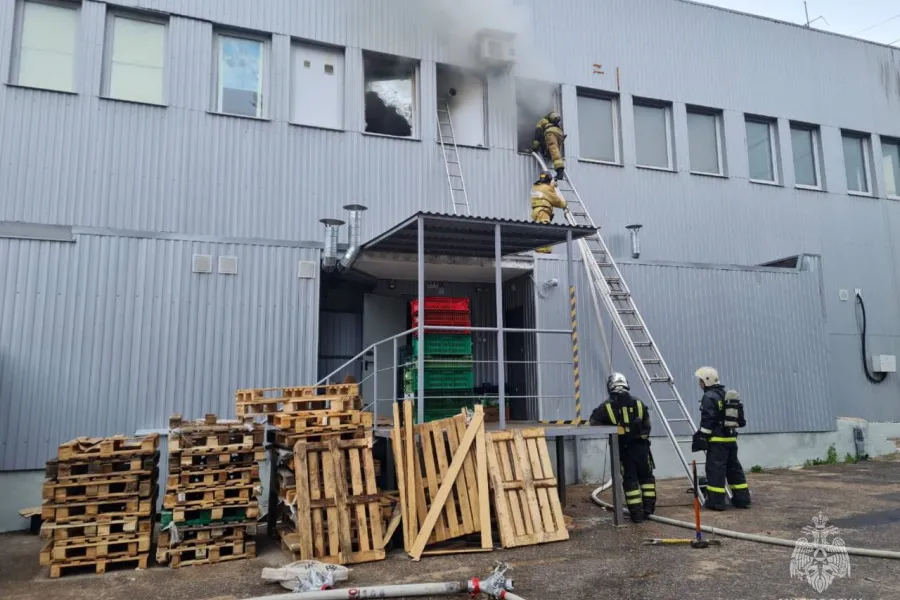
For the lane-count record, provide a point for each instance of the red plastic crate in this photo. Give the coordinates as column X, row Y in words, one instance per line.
column 440, row 303
column 451, row 320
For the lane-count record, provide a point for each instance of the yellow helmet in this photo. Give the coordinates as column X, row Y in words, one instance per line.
column 554, row 117
column 708, row 376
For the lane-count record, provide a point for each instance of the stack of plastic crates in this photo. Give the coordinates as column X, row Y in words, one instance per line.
column 449, row 371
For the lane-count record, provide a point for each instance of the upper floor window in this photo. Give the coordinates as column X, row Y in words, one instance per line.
column 762, row 153
column 598, row 127
column 46, row 41
column 705, row 137
column 805, row 146
column 653, row 134
column 135, row 59
column 534, row 99
column 890, row 152
column 241, row 75
column 318, row 86
column 857, row 162
column 391, row 94
column 462, row 103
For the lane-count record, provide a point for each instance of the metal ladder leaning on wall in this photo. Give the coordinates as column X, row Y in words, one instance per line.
column 608, row 286
column 458, row 196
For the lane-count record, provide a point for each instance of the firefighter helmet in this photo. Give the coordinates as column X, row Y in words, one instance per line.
column 554, row 117
column 545, row 177
column 708, row 376
column 616, row 384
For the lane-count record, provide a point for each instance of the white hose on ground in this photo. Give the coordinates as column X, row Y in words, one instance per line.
column 380, row 591
column 738, row 535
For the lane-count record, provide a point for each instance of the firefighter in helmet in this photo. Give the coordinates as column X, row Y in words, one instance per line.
column 632, row 417
column 544, row 198
column 548, row 140
column 721, row 415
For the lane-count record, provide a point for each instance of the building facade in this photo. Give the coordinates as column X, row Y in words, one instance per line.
column 164, row 165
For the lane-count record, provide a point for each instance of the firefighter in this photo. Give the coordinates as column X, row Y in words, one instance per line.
column 548, row 140
column 632, row 417
column 544, row 198
column 721, row 414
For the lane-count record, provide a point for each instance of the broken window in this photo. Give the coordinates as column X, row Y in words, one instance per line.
column 463, row 93
column 390, row 94
column 534, row 99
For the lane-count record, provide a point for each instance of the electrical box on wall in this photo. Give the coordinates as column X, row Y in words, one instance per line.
column 884, row 363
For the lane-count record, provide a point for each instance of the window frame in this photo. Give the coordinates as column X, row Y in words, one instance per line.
column 109, row 47
column 15, row 62
column 415, row 97
column 718, row 116
column 887, row 140
column 816, row 136
column 264, row 79
column 667, row 109
column 557, row 107
column 615, row 102
column 485, row 108
column 773, row 148
column 865, row 142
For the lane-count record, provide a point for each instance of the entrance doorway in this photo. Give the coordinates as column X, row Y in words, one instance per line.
column 516, row 369
column 382, row 318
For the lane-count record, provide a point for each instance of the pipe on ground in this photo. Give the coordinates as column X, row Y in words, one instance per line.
column 381, row 591
column 738, row 535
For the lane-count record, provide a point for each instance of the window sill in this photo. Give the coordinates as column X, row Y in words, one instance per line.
column 810, row 188
column 713, row 175
column 860, row 194
column 41, row 89
column 466, row 146
column 138, row 102
column 769, row 183
column 660, row 169
column 221, row 114
column 894, row 198
column 391, row 137
column 320, row 127
column 607, row 163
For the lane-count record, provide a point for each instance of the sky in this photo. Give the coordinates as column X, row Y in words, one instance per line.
column 875, row 20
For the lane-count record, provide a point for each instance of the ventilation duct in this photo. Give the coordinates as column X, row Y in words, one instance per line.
column 635, row 241
column 329, row 254
column 353, row 234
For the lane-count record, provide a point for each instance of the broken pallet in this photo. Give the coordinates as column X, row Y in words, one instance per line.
column 110, row 447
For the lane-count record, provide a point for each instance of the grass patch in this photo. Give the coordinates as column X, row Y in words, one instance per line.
column 757, row 469
column 831, row 458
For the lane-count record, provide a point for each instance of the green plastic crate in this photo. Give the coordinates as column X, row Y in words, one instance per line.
column 439, row 379
column 445, row 344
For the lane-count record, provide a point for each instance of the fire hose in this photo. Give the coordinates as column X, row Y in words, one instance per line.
column 739, row 535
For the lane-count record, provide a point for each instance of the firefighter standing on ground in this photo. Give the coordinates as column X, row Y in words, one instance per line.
column 721, row 414
column 629, row 414
column 544, row 198
column 548, row 139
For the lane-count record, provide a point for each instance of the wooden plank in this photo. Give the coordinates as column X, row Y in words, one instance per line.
column 515, row 500
column 374, row 505
column 547, row 523
column 396, row 517
column 440, row 451
column 411, row 469
column 301, row 479
column 356, row 481
column 462, row 490
column 470, row 469
column 314, row 463
column 399, row 468
column 339, row 483
column 455, row 551
column 532, row 510
column 432, row 475
column 484, row 500
column 448, row 483
column 501, row 497
column 555, row 506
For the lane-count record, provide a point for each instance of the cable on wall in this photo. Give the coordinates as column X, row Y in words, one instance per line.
column 874, row 378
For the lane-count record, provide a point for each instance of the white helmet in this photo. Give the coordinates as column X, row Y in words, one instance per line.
column 708, row 376
column 616, row 384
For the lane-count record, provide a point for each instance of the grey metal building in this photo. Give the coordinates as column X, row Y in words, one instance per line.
column 164, row 165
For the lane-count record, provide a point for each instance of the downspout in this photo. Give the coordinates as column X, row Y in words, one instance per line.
column 353, row 234
column 635, row 241
column 329, row 253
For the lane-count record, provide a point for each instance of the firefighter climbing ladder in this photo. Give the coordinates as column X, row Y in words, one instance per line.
column 458, row 196
column 608, row 286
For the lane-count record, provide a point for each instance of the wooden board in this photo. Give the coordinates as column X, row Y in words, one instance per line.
column 92, row 469
column 88, row 511
column 110, row 447
column 315, row 422
column 78, row 549
column 183, row 556
column 99, row 566
column 528, row 508
column 65, row 531
column 209, row 497
column 267, row 401
column 197, row 441
column 206, row 461
column 194, row 536
column 235, row 475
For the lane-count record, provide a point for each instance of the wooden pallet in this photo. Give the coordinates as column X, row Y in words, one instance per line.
column 64, row 531
column 181, row 514
column 110, row 447
column 337, row 504
column 528, row 508
column 208, row 497
column 99, row 566
column 92, row 469
column 78, row 549
column 106, row 509
column 265, row 401
column 188, row 480
column 318, row 421
column 106, row 489
column 193, row 536
column 287, row 440
column 205, row 555
column 209, row 422
column 183, row 462
column 198, row 442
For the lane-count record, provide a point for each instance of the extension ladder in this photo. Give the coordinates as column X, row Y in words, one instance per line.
column 608, row 287
column 458, row 196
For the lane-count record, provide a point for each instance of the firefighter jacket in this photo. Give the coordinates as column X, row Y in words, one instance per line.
column 545, row 126
column 712, row 416
column 544, row 195
column 627, row 413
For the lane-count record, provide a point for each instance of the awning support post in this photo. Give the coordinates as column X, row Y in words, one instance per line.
column 420, row 358
column 573, row 314
column 498, row 285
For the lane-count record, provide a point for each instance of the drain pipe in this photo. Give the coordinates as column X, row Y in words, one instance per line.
column 635, row 242
column 329, row 253
column 353, row 235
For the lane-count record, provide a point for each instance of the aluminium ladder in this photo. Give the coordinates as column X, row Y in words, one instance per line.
column 606, row 282
column 458, row 196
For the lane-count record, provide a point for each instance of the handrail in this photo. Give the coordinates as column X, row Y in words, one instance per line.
column 325, row 379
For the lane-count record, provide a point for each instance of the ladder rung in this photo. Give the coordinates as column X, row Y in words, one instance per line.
column 651, row 361
column 643, row 344
column 666, row 400
column 619, row 294
column 626, row 311
column 679, row 420
column 660, row 379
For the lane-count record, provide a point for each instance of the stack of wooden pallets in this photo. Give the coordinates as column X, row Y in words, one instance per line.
column 99, row 500
column 330, row 507
column 210, row 507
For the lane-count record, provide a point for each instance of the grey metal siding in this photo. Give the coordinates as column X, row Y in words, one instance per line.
column 109, row 335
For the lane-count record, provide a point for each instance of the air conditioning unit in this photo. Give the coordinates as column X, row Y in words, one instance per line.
column 496, row 49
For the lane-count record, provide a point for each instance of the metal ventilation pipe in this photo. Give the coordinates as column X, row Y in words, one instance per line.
column 635, row 241
column 353, row 234
column 329, row 254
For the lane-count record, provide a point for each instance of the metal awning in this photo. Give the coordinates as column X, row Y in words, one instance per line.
column 454, row 235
